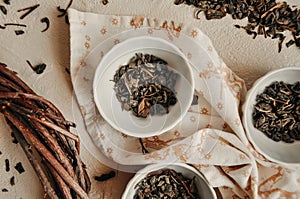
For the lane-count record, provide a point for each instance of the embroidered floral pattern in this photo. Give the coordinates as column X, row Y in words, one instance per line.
column 114, row 21
column 103, row 31
column 178, row 145
column 194, row 33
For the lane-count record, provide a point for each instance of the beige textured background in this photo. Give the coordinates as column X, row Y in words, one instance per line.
column 249, row 58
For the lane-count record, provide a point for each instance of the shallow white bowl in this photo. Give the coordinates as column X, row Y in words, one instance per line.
column 110, row 108
column 279, row 152
column 205, row 190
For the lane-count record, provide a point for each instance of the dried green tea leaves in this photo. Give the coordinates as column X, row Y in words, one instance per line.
column 265, row 17
column 166, row 183
column 145, row 85
column 106, row 176
column 277, row 112
column 38, row 69
column 154, row 98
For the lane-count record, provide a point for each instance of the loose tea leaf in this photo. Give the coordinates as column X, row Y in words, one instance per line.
column 144, row 150
column 28, row 10
column 4, row 190
column 145, row 85
column 7, row 167
column 7, row 2
column 19, row 32
column 105, row 176
column 38, row 69
column 68, row 71
column 166, row 183
column 12, row 181
column 64, row 11
column 277, row 112
column 3, row 9
column 15, row 24
column 47, row 22
column 265, row 17
column 19, row 167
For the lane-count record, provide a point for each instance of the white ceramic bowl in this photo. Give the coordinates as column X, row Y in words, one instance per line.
column 205, row 190
column 110, row 108
column 279, row 152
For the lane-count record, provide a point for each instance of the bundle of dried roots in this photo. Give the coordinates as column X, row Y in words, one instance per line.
column 45, row 137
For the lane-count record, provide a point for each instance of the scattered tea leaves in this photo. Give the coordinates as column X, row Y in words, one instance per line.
column 47, row 22
column 277, row 112
column 64, row 11
column 28, row 10
column 12, row 181
column 265, row 17
column 3, row 9
column 7, row 167
column 19, row 32
column 105, row 177
column 19, row 167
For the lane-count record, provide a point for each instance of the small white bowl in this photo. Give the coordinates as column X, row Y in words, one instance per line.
column 105, row 97
column 279, row 152
column 205, row 190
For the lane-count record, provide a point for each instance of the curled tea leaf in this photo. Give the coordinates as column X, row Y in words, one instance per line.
column 3, row 9
column 105, row 176
column 28, row 10
column 47, row 22
column 38, row 69
column 19, row 167
column 19, row 32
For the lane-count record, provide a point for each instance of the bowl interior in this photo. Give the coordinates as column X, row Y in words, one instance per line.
column 204, row 189
column 280, row 152
column 110, row 108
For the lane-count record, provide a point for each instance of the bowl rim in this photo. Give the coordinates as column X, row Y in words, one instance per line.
column 246, row 104
column 153, row 167
column 97, row 76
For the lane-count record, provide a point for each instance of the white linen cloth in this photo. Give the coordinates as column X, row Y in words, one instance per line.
column 211, row 135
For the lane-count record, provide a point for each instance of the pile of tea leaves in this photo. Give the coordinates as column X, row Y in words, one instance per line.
column 265, row 17
column 277, row 111
column 166, row 183
column 145, row 85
